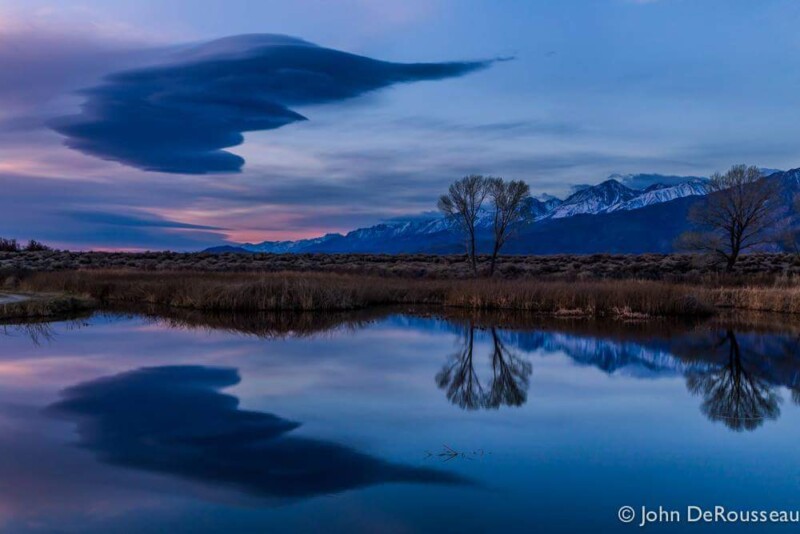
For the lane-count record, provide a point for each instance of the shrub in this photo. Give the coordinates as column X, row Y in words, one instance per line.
column 35, row 246
column 8, row 245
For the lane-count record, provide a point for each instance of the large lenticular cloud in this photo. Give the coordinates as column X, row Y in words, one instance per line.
column 179, row 116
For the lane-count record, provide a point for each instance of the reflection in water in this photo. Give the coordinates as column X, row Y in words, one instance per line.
column 40, row 332
column 460, row 380
column 736, row 374
column 37, row 332
column 173, row 420
column 732, row 393
column 738, row 379
column 611, row 407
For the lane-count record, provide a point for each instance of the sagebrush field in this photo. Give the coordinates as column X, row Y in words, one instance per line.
column 688, row 267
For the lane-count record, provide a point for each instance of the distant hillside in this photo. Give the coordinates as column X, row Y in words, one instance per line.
column 607, row 218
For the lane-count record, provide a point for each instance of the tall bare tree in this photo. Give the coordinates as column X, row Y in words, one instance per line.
column 508, row 199
column 791, row 233
column 741, row 211
column 461, row 206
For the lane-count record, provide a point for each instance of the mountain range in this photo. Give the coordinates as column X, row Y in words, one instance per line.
column 609, row 217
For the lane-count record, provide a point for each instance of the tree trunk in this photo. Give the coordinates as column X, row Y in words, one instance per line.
column 732, row 257
column 731, row 261
column 473, row 254
column 495, row 252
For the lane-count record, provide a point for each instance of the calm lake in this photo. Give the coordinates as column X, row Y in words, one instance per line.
column 390, row 422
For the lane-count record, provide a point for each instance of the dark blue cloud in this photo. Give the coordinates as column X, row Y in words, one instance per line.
column 120, row 219
column 179, row 116
column 172, row 420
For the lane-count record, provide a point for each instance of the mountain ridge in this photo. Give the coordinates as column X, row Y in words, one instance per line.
column 608, row 217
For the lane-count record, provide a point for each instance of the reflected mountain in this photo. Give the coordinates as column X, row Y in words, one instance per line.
column 738, row 375
column 510, row 375
column 173, row 420
column 736, row 364
column 263, row 324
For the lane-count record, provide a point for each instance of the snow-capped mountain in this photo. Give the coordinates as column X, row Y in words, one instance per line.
column 618, row 218
column 612, row 195
column 593, row 200
column 542, row 205
column 657, row 193
column 282, row 247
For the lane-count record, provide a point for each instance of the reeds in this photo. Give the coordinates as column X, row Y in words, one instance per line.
column 252, row 292
column 44, row 306
column 779, row 298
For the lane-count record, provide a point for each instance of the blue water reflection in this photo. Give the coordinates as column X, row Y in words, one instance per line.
column 173, row 420
column 135, row 424
column 735, row 375
column 509, row 381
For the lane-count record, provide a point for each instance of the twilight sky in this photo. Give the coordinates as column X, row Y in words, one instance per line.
column 129, row 124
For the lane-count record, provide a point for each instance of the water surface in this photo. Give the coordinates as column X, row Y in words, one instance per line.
column 393, row 423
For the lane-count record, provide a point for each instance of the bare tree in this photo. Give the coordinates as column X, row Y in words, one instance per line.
column 508, row 199
column 461, row 205
column 741, row 211
column 791, row 233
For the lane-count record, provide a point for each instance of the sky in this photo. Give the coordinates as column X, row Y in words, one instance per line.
column 183, row 124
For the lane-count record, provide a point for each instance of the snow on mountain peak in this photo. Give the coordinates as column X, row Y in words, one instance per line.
column 694, row 187
column 595, row 199
column 611, row 195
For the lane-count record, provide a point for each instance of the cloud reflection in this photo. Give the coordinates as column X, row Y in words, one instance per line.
column 173, row 420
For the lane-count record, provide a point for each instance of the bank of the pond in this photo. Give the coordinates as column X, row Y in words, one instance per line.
column 21, row 306
column 329, row 292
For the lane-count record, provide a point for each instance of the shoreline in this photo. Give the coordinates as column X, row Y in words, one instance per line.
column 22, row 306
column 627, row 299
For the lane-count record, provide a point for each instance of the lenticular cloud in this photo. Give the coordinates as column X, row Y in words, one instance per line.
column 179, row 116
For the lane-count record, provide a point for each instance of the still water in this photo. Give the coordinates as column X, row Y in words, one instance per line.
column 393, row 423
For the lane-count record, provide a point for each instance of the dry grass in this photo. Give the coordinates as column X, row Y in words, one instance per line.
column 291, row 291
column 44, row 306
column 235, row 291
column 609, row 298
column 782, row 299
column 249, row 292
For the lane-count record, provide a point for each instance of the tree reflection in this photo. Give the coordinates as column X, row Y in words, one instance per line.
column 461, row 382
column 510, row 375
column 732, row 393
column 38, row 332
column 458, row 377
